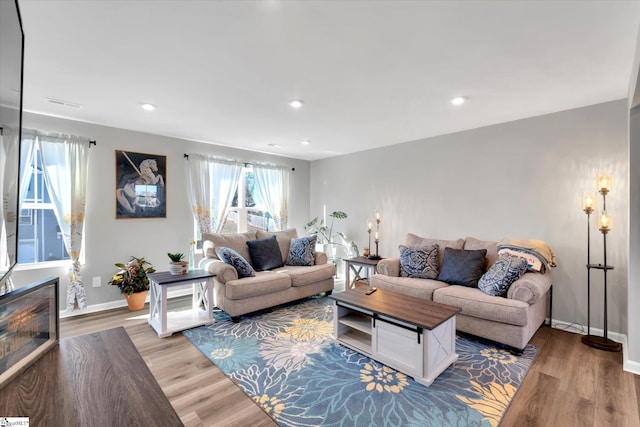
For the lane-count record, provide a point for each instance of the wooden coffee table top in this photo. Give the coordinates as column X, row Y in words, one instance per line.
column 417, row 311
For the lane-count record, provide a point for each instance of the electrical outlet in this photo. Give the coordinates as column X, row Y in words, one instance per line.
column 97, row 282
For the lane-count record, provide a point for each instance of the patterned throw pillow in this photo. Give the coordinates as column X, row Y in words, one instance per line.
column 302, row 251
column 506, row 270
column 462, row 267
column 420, row 262
column 236, row 260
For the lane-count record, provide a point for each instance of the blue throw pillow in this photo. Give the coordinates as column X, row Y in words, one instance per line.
column 265, row 254
column 302, row 251
column 236, row 260
column 506, row 270
column 462, row 267
column 419, row 261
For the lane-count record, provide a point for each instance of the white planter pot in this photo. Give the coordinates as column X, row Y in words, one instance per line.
column 179, row 268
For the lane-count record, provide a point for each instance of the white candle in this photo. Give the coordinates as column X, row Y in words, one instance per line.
column 376, row 235
column 377, row 215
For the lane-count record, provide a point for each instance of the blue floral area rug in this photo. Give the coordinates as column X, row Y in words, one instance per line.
column 287, row 362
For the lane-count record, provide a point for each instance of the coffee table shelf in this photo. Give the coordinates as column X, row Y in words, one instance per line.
column 357, row 321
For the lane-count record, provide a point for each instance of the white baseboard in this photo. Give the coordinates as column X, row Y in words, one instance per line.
column 95, row 308
column 628, row 365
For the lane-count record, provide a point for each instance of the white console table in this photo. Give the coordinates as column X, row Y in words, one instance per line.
column 201, row 312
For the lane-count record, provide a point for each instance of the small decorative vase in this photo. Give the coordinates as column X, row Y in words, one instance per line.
column 178, row 268
column 135, row 301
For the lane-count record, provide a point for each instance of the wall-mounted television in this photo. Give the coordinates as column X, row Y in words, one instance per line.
column 11, row 66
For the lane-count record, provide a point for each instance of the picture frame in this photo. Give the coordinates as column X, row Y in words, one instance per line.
column 141, row 185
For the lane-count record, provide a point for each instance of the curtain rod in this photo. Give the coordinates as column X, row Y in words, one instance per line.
column 186, row 156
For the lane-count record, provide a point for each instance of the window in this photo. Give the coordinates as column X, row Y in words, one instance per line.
column 244, row 214
column 39, row 236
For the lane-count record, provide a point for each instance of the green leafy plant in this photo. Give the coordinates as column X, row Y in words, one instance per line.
column 132, row 276
column 325, row 233
column 177, row 257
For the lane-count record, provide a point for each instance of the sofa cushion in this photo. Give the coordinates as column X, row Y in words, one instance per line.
column 472, row 243
column 419, row 262
column 283, row 237
column 506, row 270
column 265, row 254
column 302, row 251
column 236, row 260
column 476, row 303
column 263, row 283
column 413, row 240
column 303, row 276
column 462, row 267
column 235, row 241
column 419, row 288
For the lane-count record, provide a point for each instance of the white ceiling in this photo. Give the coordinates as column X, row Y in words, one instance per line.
column 371, row 73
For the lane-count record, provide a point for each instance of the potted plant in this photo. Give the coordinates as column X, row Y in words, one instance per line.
column 133, row 282
column 177, row 265
column 325, row 235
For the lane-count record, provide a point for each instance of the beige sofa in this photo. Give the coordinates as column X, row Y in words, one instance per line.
column 512, row 320
column 238, row 296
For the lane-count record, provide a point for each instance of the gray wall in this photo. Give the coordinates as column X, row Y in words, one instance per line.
column 108, row 240
column 634, row 237
column 522, row 179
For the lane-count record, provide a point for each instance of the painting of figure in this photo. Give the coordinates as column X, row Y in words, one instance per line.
column 140, row 185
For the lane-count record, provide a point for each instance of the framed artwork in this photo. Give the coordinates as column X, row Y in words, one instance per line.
column 141, row 185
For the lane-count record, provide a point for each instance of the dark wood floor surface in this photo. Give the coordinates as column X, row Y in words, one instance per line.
column 569, row 384
column 97, row 379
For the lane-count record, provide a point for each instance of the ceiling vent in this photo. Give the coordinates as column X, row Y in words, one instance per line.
column 63, row 103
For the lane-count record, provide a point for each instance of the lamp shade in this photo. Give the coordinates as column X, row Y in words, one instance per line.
column 588, row 202
column 604, row 183
column 605, row 222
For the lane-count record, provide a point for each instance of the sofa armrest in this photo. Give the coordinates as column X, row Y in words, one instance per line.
column 223, row 271
column 389, row 267
column 530, row 287
column 320, row 258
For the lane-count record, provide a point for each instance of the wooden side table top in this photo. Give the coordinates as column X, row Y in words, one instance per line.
column 166, row 278
column 417, row 311
column 363, row 260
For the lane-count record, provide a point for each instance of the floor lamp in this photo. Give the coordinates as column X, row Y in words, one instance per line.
column 604, row 225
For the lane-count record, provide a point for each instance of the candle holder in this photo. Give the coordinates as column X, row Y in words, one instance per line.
column 377, row 238
column 604, row 225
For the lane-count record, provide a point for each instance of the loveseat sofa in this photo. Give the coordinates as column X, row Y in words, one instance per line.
column 238, row 295
column 511, row 319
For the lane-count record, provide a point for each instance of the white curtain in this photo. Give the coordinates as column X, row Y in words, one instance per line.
column 27, row 150
column 9, row 151
column 65, row 160
column 272, row 192
column 212, row 185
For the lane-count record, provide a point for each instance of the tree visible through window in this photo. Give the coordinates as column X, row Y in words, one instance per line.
column 39, row 236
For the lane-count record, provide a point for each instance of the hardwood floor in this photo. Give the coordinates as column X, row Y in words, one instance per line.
column 569, row 383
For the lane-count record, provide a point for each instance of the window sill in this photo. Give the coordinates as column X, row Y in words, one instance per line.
column 43, row 265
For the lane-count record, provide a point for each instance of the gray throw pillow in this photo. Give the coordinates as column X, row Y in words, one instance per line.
column 265, row 254
column 506, row 270
column 462, row 267
column 236, row 260
column 420, row 262
column 302, row 251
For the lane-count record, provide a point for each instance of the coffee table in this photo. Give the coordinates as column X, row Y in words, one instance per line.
column 412, row 335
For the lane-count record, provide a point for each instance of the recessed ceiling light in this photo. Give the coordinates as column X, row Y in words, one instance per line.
column 296, row 103
column 148, row 107
column 305, row 142
column 458, row 100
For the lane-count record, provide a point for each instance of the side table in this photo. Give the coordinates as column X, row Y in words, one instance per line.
column 358, row 265
column 201, row 312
